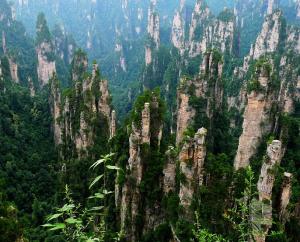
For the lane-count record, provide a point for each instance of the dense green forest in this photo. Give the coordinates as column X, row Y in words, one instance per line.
column 150, row 121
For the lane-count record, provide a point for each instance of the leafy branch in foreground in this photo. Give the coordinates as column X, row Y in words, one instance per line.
column 247, row 216
column 77, row 223
column 203, row 235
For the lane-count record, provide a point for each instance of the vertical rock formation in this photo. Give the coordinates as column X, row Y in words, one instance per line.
column 55, row 104
column 169, row 171
column 178, row 29
column 45, row 51
column 153, row 41
column 137, row 202
column 120, row 53
column 286, row 193
column 208, row 32
column 64, row 44
column 271, row 6
column 206, row 89
column 3, row 42
column 200, row 18
column 269, row 37
column 31, row 87
column 79, row 65
column 267, row 176
column 265, row 186
column 130, row 193
column 113, row 124
column 298, row 8
column 84, row 109
column 257, row 116
column 191, row 158
column 13, row 66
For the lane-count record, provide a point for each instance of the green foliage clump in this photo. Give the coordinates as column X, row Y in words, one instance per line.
column 226, row 16
column 42, row 31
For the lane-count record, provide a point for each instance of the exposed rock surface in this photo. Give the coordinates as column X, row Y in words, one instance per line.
column 271, row 5
column 265, row 185
column 178, row 29
column 257, row 120
column 185, row 113
column 89, row 100
column 113, row 124
column 153, row 41
column 169, row 171
column 267, row 176
column 268, row 40
column 200, row 18
column 13, row 70
column 55, row 101
column 46, row 66
column 64, row 45
column 130, row 202
column 31, row 87
column 207, row 32
column 298, row 8
column 206, row 87
column 286, row 193
column 191, row 158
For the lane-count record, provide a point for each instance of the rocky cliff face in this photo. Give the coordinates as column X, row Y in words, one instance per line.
column 268, row 39
column 265, row 185
column 207, row 88
column 185, row 112
column 55, row 105
column 198, row 28
column 274, row 36
column 267, row 177
column 85, row 107
column 191, row 158
column 298, row 8
column 207, row 32
column 153, row 33
column 13, row 66
column 134, row 197
column 258, row 120
column 64, row 45
column 13, row 70
column 169, row 183
column 178, row 29
column 120, row 52
column 46, row 66
column 45, row 51
column 131, row 196
column 286, row 193
column 113, row 124
column 271, row 6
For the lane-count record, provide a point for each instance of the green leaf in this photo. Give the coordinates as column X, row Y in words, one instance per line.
column 103, row 160
column 66, row 208
column 48, row 225
column 97, row 163
column 105, row 192
column 73, row 221
column 58, row 226
column 96, row 208
column 113, row 167
column 95, row 181
column 97, row 195
column 54, row 216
